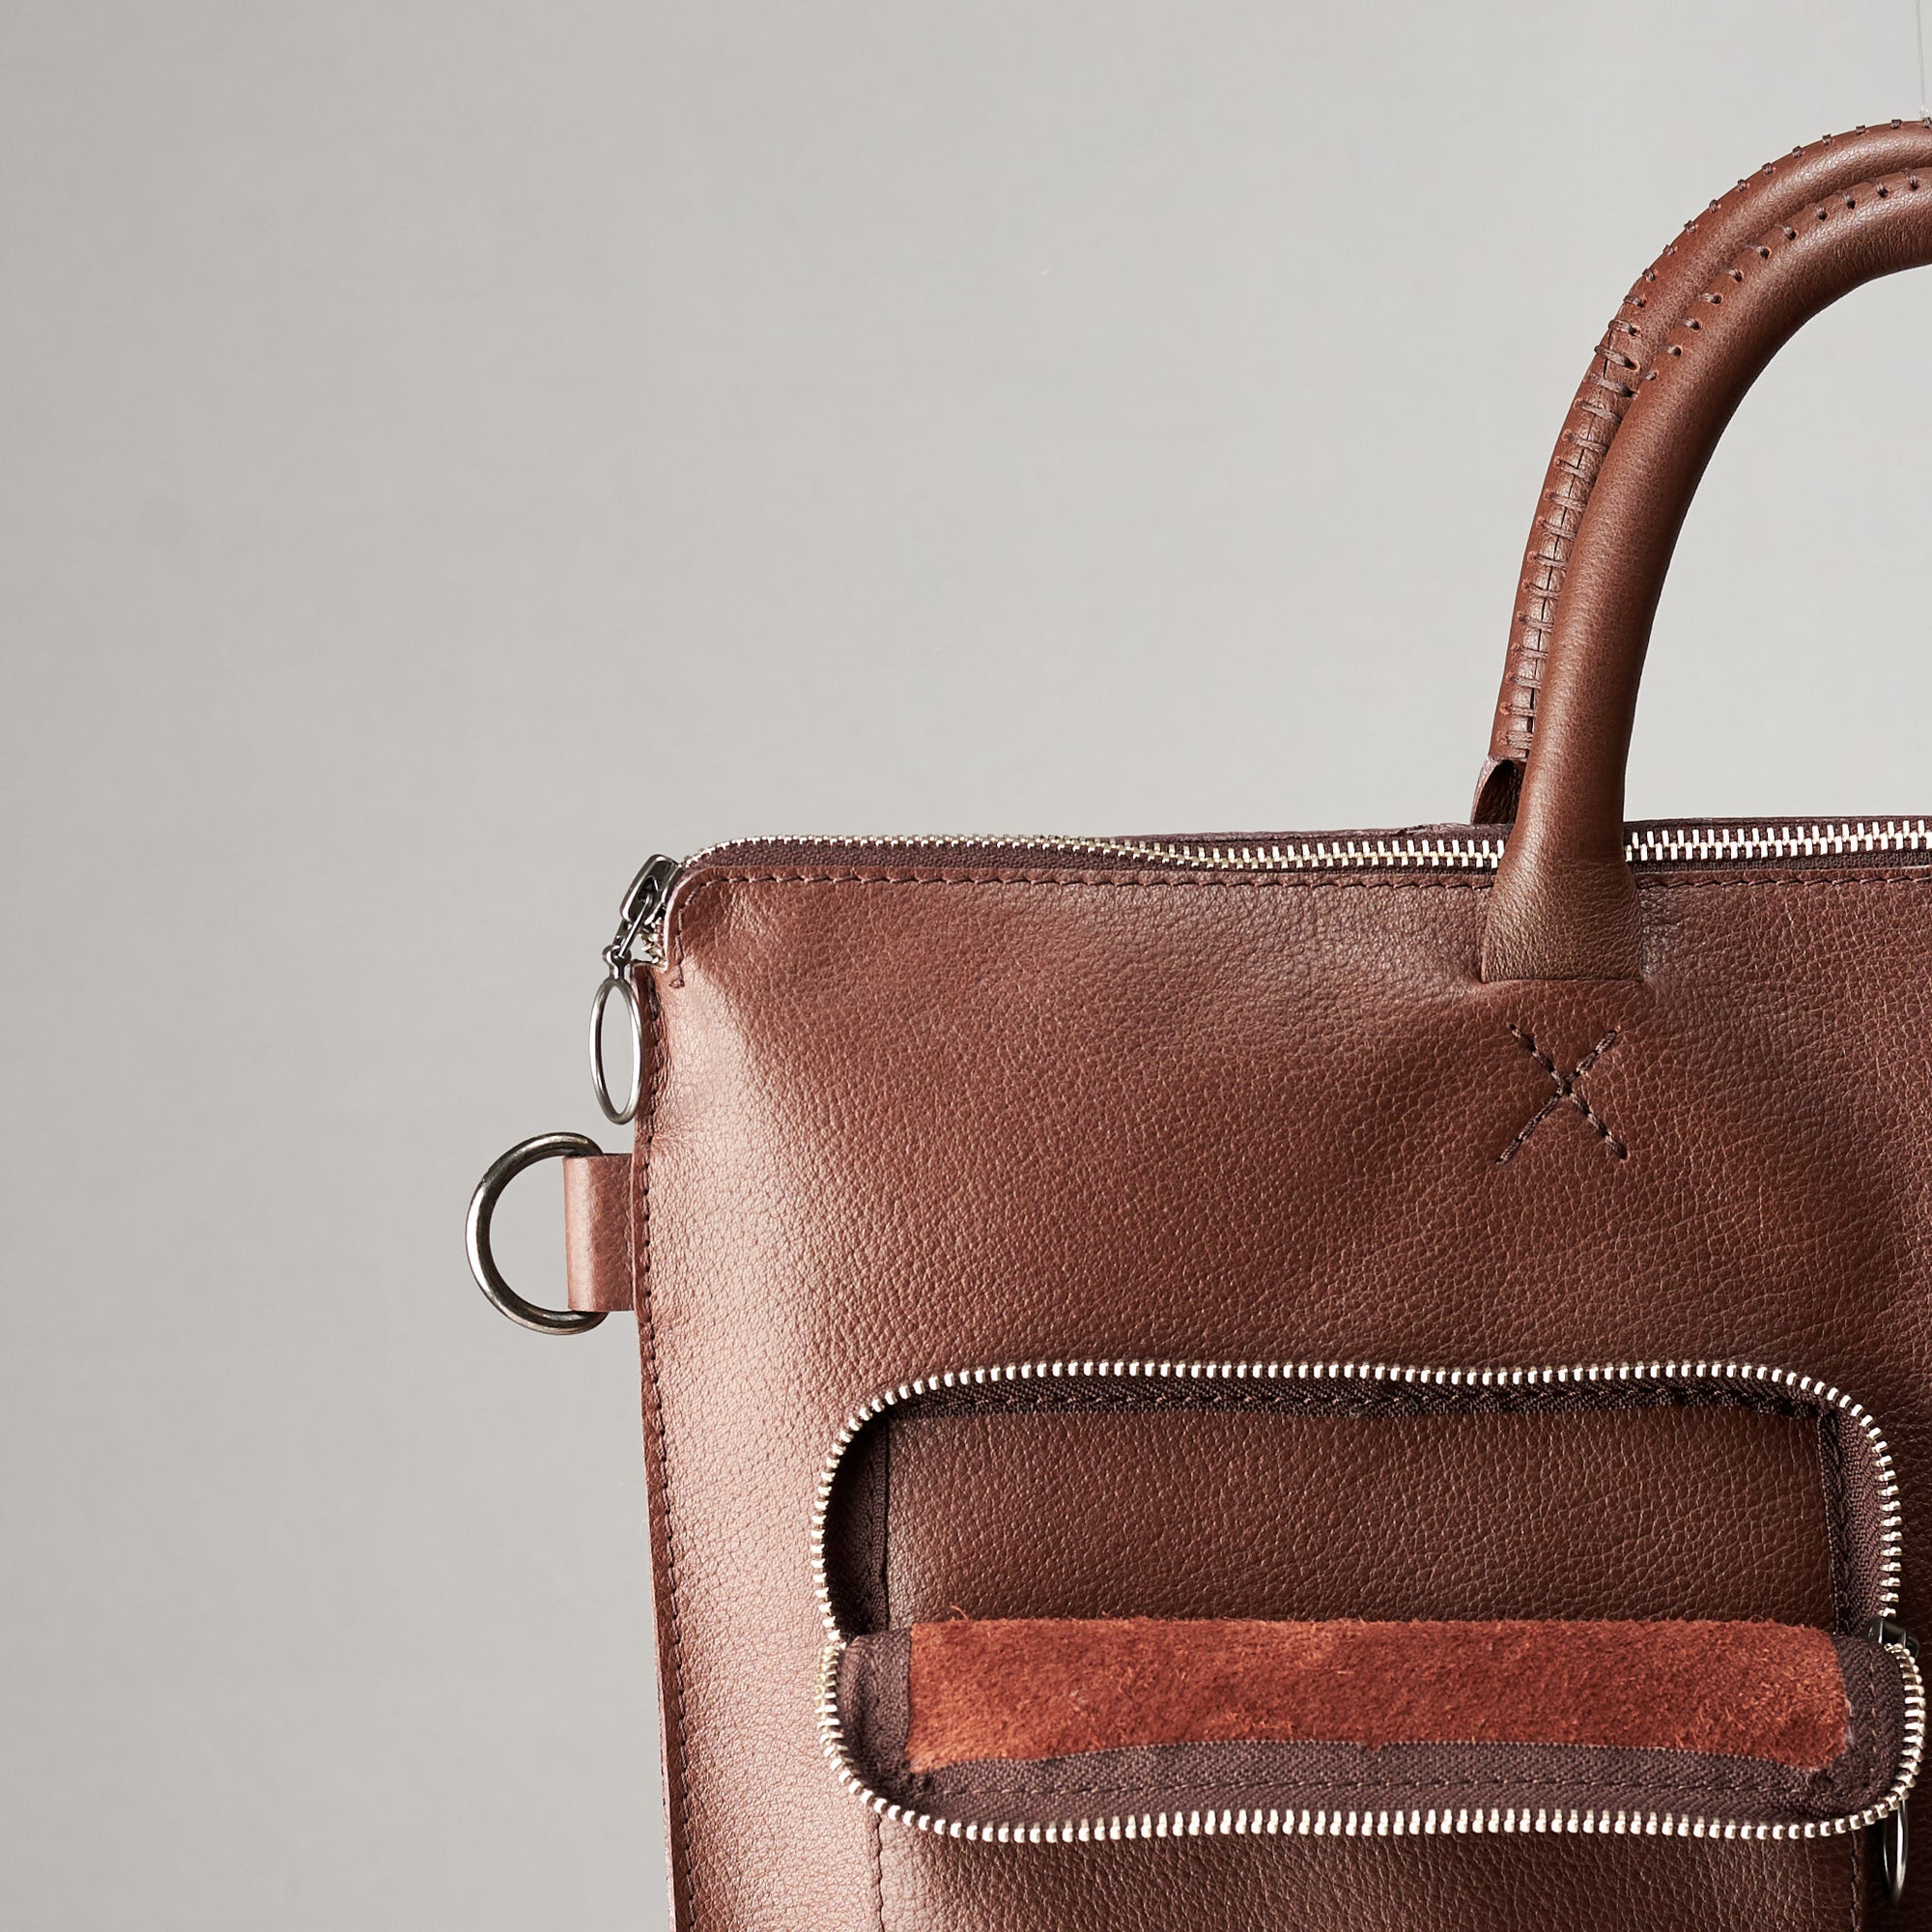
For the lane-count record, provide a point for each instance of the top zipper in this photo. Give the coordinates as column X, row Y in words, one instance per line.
column 639, row 935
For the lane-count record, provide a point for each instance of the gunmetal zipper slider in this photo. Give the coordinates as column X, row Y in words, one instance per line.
column 638, row 938
column 1893, row 1833
column 641, row 915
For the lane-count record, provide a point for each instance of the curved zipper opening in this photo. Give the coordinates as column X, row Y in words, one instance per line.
column 1282, row 1821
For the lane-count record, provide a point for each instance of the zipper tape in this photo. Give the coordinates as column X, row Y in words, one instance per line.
column 1289, row 1820
column 1714, row 842
column 640, row 932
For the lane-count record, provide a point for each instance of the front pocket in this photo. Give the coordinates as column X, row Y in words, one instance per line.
column 1366, row 1719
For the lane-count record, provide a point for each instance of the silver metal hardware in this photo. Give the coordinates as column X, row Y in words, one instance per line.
column 618, row 983
column 1890, row 1633
column 644, row 899
column 639, row 936
column 500, row 1172
column 1474, row 849
column 1893, row 1837
column 1894, row 1834
column 1506, row 1818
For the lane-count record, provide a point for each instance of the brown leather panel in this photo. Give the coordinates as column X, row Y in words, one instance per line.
column 1663, row 295
column 1382, row 1884
column 1564, row 905
column 597, row 1230
column 906, row 1124
column 1640, row 1512
column 1035, row 1687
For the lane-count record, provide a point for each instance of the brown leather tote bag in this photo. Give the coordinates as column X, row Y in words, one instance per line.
column 1342, row 1381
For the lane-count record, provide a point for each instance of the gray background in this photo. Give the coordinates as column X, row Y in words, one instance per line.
column 450, row 451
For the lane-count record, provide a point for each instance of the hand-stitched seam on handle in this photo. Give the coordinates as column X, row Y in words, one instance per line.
column 1541, row 586
column 1775, row 243
column 1565, row 1095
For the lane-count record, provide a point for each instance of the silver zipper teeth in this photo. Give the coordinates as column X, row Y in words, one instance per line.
column 1288, row 1822
column 1704, row 844
column 1653, row 845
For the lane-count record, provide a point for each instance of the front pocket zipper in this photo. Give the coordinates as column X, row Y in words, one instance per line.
column 1370, row 1389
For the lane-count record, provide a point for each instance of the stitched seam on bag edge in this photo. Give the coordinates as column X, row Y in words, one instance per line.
column 642, row 1295
column 1189, row 882
column 1197, row 882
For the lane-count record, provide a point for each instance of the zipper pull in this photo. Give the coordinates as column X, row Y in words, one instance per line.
column 1892, row 1832
column 641, row 915
column 638, row 938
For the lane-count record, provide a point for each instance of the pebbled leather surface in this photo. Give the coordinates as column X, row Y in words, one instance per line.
column 1484, row 1885
column 908, row 1119
column 1662, row 298
column 597, row 1230
column 1653, row 1513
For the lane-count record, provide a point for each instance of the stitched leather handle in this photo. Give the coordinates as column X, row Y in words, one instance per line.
column 1564, row 905
column 1662, row 295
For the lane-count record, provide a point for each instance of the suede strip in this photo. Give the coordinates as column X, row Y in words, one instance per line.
column 1019, row 1688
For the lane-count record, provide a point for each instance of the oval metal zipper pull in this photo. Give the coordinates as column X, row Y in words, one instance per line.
column 639, row 937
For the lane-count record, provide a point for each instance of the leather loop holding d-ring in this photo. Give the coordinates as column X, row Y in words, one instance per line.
column 483, row 1263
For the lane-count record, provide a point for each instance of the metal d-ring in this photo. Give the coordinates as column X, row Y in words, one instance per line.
column 619, row 983
column 500, row 1172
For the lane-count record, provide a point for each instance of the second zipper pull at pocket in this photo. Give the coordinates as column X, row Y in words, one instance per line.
column 1042, row 1710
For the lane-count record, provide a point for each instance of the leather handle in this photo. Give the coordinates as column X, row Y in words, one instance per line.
column 1662, row 296
column 1564, row 904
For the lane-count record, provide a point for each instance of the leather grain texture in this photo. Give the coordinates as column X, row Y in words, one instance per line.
column 1655, row 1513
column 905, row 1118
column 1242, row 1885
column 597, row 1231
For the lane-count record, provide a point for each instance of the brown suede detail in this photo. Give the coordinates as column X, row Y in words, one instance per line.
column 1049, row 1687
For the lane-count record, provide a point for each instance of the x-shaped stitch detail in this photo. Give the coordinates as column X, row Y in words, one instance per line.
column 1566, row 1093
